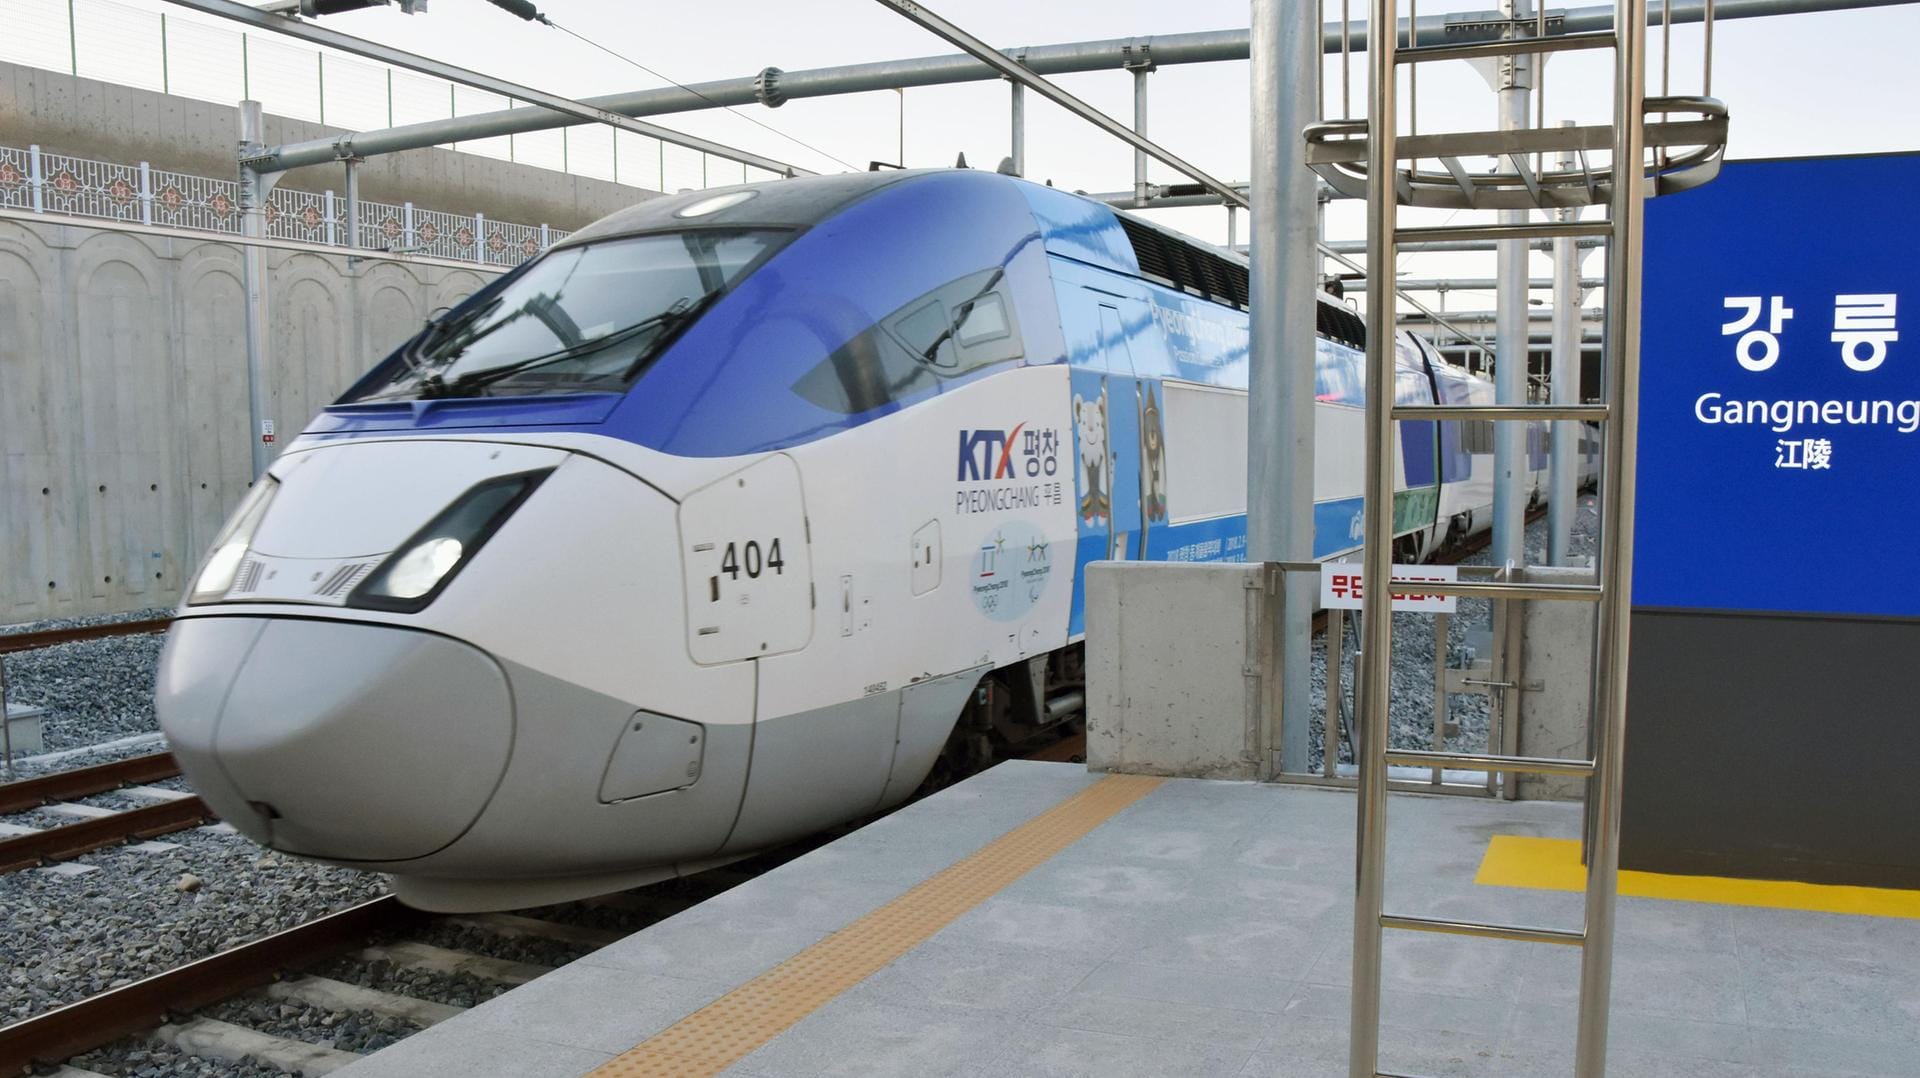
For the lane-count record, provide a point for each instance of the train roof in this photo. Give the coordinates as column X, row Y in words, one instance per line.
column 1162, row 254
column 790, row 203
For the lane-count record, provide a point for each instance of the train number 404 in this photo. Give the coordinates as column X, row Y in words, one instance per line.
column 751, row 559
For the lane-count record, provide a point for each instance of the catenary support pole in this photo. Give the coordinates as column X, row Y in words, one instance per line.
column 1018, row 100
column 353, row 201
column 1511, row 468
column 1565, row 461
column 1140, row 128
column 1282, row 230
column 253, row 270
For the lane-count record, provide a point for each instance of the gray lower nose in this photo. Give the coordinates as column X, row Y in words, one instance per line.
column 342, row 741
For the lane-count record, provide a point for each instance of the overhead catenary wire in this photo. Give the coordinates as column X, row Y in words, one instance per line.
column 683, row 86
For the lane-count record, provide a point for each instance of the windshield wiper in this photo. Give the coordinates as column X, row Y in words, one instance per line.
column 931, row 355
column 682, row 312
column 439, row 331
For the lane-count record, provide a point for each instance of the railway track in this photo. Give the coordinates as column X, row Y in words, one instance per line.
column 23, row 846
column 167, row 1009
column 46, row 638
column 13, row 643
column 326, row 964
column 57, row 1035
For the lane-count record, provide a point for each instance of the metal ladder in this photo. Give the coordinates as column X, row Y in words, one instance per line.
column 1353, row 155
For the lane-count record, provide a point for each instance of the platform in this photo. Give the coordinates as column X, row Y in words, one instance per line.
column 1186, row 927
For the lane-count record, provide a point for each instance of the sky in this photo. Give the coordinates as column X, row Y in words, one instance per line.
column 1835, row 82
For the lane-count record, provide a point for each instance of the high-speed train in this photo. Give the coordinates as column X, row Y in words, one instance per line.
column 736, row 515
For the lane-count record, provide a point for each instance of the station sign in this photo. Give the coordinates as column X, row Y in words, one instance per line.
column 1341, row 588
column 1779, row 448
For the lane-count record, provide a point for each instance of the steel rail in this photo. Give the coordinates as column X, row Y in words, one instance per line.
column 74, row 839
column 773, row 87
column 79, row 782
column 14, row 642
column 89, row 1023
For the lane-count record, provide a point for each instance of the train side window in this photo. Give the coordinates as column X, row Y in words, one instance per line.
column 1339, row 374
column 959, row 327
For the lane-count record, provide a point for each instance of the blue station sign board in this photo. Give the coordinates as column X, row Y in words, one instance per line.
column 1779, row 455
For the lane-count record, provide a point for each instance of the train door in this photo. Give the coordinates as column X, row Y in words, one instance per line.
column 1106, row 435
column 1126, row 530
column 1416, row 506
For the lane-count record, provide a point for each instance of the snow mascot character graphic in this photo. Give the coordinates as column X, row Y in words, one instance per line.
column 1090, row 423
column 1153, row 460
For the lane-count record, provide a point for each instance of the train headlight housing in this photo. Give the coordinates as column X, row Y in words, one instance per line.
column 415, row 573
column 230, row 549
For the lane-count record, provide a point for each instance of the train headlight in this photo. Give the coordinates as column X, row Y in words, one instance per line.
column 230, row 549
column 423, row 565
column 417, row 571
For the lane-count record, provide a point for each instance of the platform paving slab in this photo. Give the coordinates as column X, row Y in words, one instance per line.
column 1206, row 930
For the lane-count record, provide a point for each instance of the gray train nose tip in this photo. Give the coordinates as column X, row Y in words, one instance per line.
column 368, row 743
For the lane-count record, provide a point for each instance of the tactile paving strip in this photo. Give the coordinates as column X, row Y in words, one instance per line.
column 718, row 1035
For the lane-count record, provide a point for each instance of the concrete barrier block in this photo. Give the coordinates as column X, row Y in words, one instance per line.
column 1557, row 670
column 1174, row 655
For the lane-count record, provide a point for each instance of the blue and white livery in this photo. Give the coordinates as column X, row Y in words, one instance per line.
column 737, row 515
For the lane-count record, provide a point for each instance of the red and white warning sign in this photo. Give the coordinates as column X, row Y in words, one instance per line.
column 1340, row 587
column 266, row 432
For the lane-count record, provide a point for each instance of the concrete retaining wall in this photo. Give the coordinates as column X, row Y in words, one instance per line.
column 123, row 396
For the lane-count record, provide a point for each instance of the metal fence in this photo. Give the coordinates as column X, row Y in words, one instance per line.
column 79, row 187
column 177, row 54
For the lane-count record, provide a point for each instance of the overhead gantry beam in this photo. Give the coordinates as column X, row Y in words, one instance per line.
column 773, row 87
column 1010, row 69
column 562, row 111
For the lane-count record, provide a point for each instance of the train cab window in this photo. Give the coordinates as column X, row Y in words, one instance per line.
column 925, row 330
column 586, row 317
column 959, row 327
column 985, row 320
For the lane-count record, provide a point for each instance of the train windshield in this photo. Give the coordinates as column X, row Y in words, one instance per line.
column 581, row 318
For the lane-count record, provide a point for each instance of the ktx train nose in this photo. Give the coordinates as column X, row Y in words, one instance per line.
column 349, row 742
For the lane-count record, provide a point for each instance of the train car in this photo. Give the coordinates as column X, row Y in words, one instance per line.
column 736, row 515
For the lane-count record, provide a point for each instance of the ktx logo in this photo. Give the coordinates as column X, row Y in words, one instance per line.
column 987, row 454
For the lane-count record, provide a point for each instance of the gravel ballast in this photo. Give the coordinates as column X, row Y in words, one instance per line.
column 453, row 989
column 1410, row 714
column 133, row 1058
column 93, row 690
column 66, row 937
column 349, row 1031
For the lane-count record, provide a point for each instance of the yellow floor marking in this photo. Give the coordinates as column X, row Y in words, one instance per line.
column 1553, row 864
column 718, row 1035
